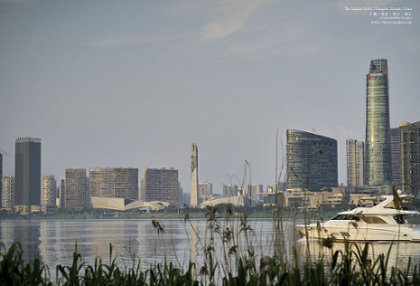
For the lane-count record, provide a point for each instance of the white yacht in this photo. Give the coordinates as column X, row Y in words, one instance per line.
column 382, row 222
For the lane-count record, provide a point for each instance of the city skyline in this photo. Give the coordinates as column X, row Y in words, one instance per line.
column 135, row 84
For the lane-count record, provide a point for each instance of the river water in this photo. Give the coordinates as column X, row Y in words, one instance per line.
column 179, row 242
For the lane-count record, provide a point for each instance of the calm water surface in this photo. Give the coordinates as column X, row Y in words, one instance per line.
column 55, row 240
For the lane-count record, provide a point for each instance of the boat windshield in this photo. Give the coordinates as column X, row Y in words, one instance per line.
column 346, row 217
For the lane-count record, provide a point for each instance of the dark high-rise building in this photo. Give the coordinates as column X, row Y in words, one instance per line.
column 355, row 153
column 114, row 182
column 406, row 152
column 28, row 171
column 61, row 193
column 396, row 156
column 311, row 160
column 378, row 137
column 160, row 185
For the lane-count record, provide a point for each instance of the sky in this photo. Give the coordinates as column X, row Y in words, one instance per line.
column 135, row 83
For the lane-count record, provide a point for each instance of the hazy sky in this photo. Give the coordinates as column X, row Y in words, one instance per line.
column 134, row 83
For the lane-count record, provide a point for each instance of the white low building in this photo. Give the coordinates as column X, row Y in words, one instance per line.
column 121, row 204
column 239, row 201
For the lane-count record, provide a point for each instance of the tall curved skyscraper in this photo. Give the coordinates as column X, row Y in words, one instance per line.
column 378, row 135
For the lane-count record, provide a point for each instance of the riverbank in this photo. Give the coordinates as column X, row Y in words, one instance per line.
column 288, row 214
column 168, row 214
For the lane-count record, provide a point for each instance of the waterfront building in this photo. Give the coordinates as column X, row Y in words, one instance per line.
column 237, row 201
column 195, row 196
column 406, row 157
column 378, row 137
column 60, row 193
column 160, row 185
column 396, row 155
column 140, row 195
column 8, row 192
column 255, row 190
column 75, row 189
column 276, row 187
column 301, row 198
column 28, row 171
column 48, row 193
column 311, row 160
column 205, row 190
column 355, row 153
column 361, row 199
column 114, row 182
column 230, row 190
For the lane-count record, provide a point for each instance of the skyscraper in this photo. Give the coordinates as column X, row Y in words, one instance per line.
column 48, row 193
column 396, row 155
column 75, row 188
column 311, row 160
column 230, row 190
column 378, row 137
column 8, row 192
column 160, row 185
column 114, row 182
column 406, row 157
column 355, row 153
column 60, row 193
column 205, row 190
column 194, row 197
column 255, row 190
column 28, row 171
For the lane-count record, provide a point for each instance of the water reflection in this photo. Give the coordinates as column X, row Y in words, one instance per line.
column 181, row 242
column 28, row 232
column 399, row 252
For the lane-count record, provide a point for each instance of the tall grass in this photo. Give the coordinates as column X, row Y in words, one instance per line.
column 229, row 258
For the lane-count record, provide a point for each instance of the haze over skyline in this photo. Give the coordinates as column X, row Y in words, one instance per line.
column 135, row 83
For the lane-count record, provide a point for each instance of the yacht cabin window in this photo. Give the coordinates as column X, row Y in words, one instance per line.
column 373, row 219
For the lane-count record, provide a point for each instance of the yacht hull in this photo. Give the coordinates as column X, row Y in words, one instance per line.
column 356, row 233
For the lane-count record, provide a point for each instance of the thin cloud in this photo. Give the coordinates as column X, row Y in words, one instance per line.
column 235, row 14
column 110, row 42
column 291, row 40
